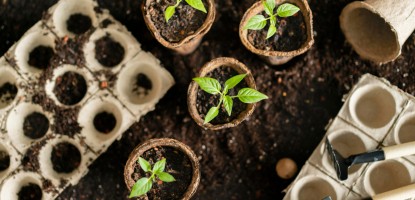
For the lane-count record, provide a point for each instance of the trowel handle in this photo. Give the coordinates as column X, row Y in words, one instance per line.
column 406, row 192
column 399, row 150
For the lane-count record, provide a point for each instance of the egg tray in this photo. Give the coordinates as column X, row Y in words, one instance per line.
column 112, row 87
column 375, row 114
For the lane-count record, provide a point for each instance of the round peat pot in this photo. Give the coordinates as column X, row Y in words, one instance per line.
column 284, row 49
column 8, row 88
column 23, row 185
column 191, row 39
column 181, row 162
column 405, row 129
column 195, row 94
column 313, row 187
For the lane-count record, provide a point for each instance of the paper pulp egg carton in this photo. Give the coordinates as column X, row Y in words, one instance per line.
column 375, row 114
column 112, row 89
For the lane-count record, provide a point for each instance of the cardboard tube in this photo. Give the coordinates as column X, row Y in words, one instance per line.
column 377, row 29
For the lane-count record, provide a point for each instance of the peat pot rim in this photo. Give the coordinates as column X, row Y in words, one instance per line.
column 189, row 43
column 258, row 8
column 194, row 87
column 149, row 144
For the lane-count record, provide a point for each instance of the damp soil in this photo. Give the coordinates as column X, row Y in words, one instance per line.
column 177, row 164
column 78, row 23
column 70, row 88
column 104, row 122
column 40, row 57
column 205, row 101
column 186, row 20
column 8, row 92
column 4, row 161
column 35, row 125
column 30, row 191
column 109, row 52
column 65, row 157
column 291, row 34
column 143, row 85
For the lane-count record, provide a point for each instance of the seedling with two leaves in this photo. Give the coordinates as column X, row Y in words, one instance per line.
column 212, row 86
column 196, row 4
column 143, row 185
column 259, row 22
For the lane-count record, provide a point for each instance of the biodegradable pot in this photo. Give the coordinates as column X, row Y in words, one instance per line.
column 377, row 29
column 194, row 87
column 166, row 142
column 191, row 42
column 278, row 57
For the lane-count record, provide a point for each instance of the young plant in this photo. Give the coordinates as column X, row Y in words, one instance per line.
column 212, row 86
column 143, row 185
column 259, row 22
column 196, row 4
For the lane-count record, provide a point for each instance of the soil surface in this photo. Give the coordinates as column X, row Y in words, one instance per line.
column 65, row 157
column 70, row 88
column 35, row 125
column 205, row 101
column 40, row 57
column 30, row 192
column 109, row 52
column 291, row 34
column 104, row 122
column 177, row 164
column 8, row 92
column 143, row 85
column 185, row 21
column 78, row 23
column 4, row 161
column 236, row 163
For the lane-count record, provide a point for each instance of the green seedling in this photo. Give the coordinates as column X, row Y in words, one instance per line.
column 196, row 4
column 143, row 185
column 259, row 22
column 212, row 86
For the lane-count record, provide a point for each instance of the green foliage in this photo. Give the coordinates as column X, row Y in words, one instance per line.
column 212, row 86
column 259, row 22
column 196, row 4
column 143, row 185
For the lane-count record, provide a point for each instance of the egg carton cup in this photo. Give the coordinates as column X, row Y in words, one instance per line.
column 14, row 156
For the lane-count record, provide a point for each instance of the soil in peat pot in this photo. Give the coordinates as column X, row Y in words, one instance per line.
column 291, row 34
column 177, row 164
column 30, row 191
column 105, row 122
column 4, row 161
column 8, row 92
column 65, row 157
column 35, row 125
column 185, row 21
column 70, row 88
column 143, row 85
column 78, row 23
column 40, row 56
column 205, row 101
column 109, row 52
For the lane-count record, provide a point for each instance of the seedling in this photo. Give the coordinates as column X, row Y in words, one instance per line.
column 196, row 4
column 212, row 86
column 143, row 185
column 259, row 22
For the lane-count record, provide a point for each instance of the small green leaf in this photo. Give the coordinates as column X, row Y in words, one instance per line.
column 228, row 103
column 273, row 20
column 209, row 85
column 197, row 4
column 286, row 10
column 257, row 22
column 271, row 31
column 169, row 12
column 212, row 113
column 166, row 177
column 268, row 8
column 144, row 164
column 141, row 187
column 232, row 82
column 159, row 166
column 271, row 5
column 249, row 95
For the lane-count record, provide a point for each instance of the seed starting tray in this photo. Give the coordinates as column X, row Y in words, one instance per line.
column 119, row 90
column 375, row 114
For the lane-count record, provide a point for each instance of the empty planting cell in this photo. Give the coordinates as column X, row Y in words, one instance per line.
column 8, row 87
column 23, row 186
column 313, row 188
column 405, row 129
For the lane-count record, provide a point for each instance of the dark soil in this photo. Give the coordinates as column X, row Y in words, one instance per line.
column 177, row 164
column 35, row 125
column 185, row 21
column 143, row 85
column 30, row 192
column 109, row 52
column 4, row 160
column 78, row 23
column 40, row 57
column 65, row 157
column 8, row 92
column 291, row 34
column 205, row 100
column 104, row 122
column 70, row 88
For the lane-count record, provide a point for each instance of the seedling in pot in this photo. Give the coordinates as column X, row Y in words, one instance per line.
column 212, row 86
column 259, row 22
column 143, row 185
column 196, row 4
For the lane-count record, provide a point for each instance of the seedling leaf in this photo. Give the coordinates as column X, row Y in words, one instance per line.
column 232, row 82
column 286, row 10
column 169, row 12
column 249, row 95
column 212, row 113
column 228, row 103
column 209, row 85
column 268, row 7
column 144, row 164
column 141, row 187
column 257, row 22
column 271, row 5
column 271, row 31
column 159, row 166
column 165, row 177
column 197, row 4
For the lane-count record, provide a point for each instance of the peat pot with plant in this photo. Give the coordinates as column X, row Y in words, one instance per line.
column 277, row 30
column 223, row 95
column 179, row 24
